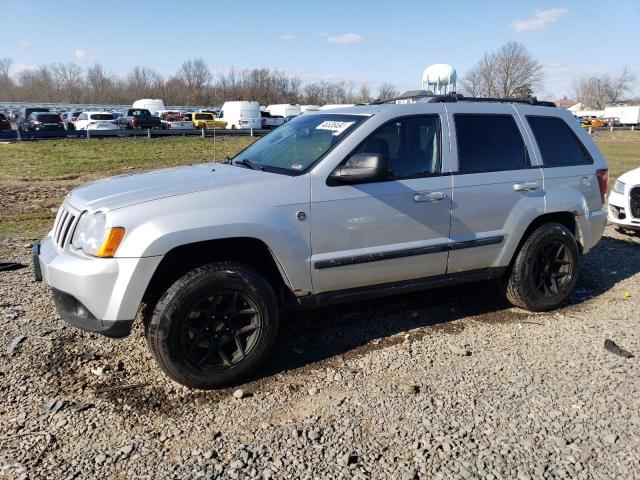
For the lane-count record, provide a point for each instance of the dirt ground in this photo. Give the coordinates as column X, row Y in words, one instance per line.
column 382, row 389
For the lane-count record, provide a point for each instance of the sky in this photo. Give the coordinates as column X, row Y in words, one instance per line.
column 366, row 42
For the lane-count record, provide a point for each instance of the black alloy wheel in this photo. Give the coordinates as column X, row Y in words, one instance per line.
column 220, row 330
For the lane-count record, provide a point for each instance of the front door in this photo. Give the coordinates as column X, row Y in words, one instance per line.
column 386, row 230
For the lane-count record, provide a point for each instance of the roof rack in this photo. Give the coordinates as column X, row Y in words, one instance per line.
column 458, row 97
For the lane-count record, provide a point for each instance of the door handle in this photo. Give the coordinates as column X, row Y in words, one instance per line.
column 428, row 197
column 525, row 186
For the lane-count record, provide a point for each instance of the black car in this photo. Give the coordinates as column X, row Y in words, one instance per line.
column 25, row 113
column 41, row 121
column 5, row 124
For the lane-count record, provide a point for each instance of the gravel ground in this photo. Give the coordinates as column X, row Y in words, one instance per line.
column 449, row 383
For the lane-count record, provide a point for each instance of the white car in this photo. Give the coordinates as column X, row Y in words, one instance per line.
column 96, row 121
column 624, row 201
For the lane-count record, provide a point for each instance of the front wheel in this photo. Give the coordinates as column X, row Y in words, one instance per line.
column 545, row 269
column 215, row 326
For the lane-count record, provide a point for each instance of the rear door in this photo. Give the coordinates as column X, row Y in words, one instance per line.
column 497, row 185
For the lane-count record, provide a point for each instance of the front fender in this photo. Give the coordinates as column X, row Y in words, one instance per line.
column 155, row 228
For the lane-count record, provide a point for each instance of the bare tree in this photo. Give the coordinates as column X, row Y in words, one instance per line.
column 387, row 91
column 70, row 83
column 507, row 72
column 6, row 82
column 363, row 95
column 144, row 82
column 599, row 91
column 99, row 84
column 196, row 77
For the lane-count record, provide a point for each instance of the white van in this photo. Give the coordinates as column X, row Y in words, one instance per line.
column 153, row 105
column 241, row 114
column 284, row 110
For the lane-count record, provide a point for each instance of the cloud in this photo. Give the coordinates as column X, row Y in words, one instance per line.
column 540, row 20
column 346, row 38
column 288, row 37
column 81, row 55
column 16, row 68
column 24, row 44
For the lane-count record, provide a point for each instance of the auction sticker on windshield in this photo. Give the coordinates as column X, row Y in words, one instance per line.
column 335, row 126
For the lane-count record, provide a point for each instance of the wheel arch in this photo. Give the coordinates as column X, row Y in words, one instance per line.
column 566, row 218
column 248, row 251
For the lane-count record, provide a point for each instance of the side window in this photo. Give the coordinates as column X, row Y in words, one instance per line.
column 558, row 144
column 489, row 143
column 82, row 116
column 411, row 145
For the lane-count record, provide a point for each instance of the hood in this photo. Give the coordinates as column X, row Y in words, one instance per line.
column 125, row 190
column 631, row 178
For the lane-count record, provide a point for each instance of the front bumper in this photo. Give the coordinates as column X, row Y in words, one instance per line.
column 75, row 313
column 620, row 211
column 95, row 294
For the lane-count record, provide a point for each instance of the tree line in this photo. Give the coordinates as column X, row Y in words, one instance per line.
column 510, row 71
column 192, row 84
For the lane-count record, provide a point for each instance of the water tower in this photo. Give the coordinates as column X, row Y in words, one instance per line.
column 439, row 78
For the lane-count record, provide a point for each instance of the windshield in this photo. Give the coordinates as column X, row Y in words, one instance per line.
column 297, row 145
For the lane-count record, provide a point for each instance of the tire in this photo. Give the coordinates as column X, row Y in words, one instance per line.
column 190, row 341
column 545, row 269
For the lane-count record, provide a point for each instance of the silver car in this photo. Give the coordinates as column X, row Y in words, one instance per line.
column 330, row 207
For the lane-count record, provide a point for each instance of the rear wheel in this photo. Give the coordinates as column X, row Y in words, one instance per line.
column 545, row 269
column 215, row 326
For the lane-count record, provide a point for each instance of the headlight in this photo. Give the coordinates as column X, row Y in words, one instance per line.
column 94, row 238
column 618, row 187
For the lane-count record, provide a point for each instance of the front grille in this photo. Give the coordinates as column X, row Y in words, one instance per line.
column 63, row 226
column 634, row 202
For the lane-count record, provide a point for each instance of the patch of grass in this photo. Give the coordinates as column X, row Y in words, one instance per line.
column 73, row 158
column 622, row 151
column 70, row 162
column 27, row 225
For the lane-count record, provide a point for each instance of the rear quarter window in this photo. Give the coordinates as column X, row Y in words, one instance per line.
column 489, row 143
column 558, row 144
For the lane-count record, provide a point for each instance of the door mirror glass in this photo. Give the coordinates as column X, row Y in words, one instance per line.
column 362, row 167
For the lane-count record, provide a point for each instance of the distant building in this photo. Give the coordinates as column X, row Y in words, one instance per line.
column 565, row 102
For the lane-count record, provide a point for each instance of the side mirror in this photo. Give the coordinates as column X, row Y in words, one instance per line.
column 361, row 167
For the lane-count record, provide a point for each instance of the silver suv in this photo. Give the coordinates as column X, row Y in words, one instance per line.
column 333, row 206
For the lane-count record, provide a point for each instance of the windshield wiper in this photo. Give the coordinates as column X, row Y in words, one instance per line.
column 248, row 163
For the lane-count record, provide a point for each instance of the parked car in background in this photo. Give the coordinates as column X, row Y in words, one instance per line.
column 241, row 114
column 308, row 108
column 624, row 201
column 96, row 121
column 271, row 121
column 69, row 118
column 285, row 110
column 5, row 124
column 173, row 120
column 25, row 113
column 43, row 121
column 188, row 116
column 138, row 118
column 207, row 120
column 153, row 105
